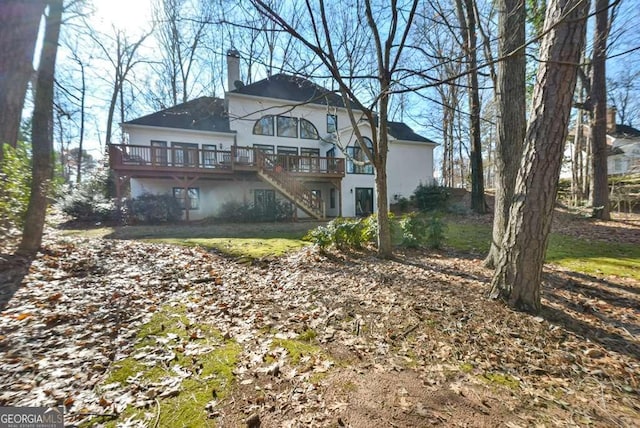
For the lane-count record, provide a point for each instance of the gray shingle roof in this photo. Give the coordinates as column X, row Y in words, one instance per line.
column 402, row 131
column 624, row 131
column 201, row 114
column 208, row 113
column 291, row 88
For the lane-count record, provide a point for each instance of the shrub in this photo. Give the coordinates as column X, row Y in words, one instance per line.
column 320, row 236
column 234, row 211
column 414, row 230
column 400, row 204
column 89, row 201
column 239, row 212
column 153, row 209
column 430, row 197
column 15, row 176
column 436, row 229
column 344, row 233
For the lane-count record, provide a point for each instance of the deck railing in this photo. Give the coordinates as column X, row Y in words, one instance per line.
column 126, row 156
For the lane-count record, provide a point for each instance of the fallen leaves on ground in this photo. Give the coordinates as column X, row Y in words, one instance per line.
column 339, row 340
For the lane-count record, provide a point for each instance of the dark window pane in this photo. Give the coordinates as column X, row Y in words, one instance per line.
column 287, row 126
column 308, row 130
column 332, row 123
column 264, row 126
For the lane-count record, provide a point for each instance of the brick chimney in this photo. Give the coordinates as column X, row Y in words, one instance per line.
column 233, row 69
column 611, row 119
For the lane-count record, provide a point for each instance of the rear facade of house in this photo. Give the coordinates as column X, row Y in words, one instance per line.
column 283, row 139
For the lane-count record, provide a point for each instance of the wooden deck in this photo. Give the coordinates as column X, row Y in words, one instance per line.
column 147, row 161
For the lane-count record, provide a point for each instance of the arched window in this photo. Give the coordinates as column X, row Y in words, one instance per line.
column 308, row 130
column 357, row 161
column 264, row 125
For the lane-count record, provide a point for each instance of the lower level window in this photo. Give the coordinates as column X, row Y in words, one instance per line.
column 193, row 194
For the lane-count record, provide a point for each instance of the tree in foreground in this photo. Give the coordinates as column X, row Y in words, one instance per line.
column 19, row 23
column 467, row 17
column 518, row 273
column 42, row 135
column 511, row 125
column 599, row 119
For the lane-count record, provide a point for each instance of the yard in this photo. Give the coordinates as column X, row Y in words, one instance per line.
column 124, row 327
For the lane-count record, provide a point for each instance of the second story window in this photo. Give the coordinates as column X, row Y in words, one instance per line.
column 287, row 126
column 332, row 123
column 357, row 161
column 264, row 126
column 308, row 130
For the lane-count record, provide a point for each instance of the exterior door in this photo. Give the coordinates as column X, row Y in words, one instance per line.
column 159, row 153
column 364, row 201
column 185, row 154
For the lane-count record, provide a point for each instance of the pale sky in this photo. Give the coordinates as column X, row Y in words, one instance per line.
column 125, row 14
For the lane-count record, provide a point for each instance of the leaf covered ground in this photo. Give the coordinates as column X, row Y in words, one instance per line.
column 129, row 333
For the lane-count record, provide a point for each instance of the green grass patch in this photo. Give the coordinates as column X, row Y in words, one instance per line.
column 194, row 348
column 98, row 232
column 252, row 248
column 580, row 255
column 469, row 238
column 252, row 241
column 595, row 257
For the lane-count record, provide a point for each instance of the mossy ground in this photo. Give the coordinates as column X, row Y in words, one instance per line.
column 196, row 349
column 500, row 379
column 303, row 345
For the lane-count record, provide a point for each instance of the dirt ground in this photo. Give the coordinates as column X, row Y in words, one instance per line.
column 407, row 342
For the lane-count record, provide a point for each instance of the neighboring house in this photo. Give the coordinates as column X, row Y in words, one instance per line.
column 273, row 139
column 624, row 153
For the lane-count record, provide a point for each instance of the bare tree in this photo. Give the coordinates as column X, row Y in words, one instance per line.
column 600, row 185
column 511, row 105
column 19, row 23
column 467, row 18
column 181, row 33
column 518, row 272
column 441, row 45
column 388, row 42
column 122, row 55
column 42, row 134
column 70, row 100
column 624, row 93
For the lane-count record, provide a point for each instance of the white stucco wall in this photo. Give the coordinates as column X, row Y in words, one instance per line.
column 626, row 162
column 141, row 135
column 213, row 194
column 408, row 164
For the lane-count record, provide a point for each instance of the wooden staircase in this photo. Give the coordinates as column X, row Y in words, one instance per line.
column 290, row 186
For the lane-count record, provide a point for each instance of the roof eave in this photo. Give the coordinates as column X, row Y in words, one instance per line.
column 126, row 125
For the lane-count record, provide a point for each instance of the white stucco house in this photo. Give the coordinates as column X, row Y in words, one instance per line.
column 624, row 150
column 277, row 139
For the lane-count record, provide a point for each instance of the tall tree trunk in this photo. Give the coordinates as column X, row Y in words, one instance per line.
column 576, row 164
column 385, row 249
column 83, row 94
column 599, row 125
column 519, row 270
column 42, row 135
column 466, row 16
column 511, row 121
column 19, row 23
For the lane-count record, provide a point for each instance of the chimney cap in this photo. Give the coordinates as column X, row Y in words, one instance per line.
column 233, row 52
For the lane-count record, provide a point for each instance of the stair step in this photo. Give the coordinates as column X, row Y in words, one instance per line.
column 292, row 194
